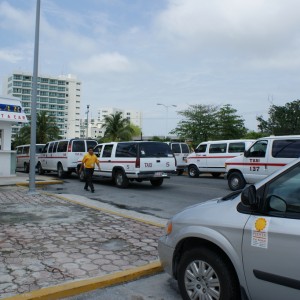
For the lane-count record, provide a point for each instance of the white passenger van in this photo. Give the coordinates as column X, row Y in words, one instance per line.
column 62, row 156
column 23, row 156
column 264, row 157
column 181, row 152
column 134, row 160
column 210, row 156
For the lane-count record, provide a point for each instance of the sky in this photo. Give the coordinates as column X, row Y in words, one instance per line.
column 133, row 54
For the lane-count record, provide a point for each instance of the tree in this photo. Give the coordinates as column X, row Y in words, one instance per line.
column 117, row 128
column 283, row 120
column 46, row 130
column 229, row 125
column 199, row 123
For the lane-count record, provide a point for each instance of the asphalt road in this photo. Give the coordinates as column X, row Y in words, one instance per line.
column 174, row 195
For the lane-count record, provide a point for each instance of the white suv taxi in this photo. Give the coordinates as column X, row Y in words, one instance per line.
column 134, row 160
column 243, row 246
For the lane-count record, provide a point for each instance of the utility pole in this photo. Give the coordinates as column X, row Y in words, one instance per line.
column 87, row 121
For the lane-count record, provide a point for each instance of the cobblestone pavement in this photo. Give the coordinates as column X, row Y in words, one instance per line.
column 46, row 241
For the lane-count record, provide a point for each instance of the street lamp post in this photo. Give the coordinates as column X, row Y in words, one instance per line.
column 167, row 112
column 87, row 121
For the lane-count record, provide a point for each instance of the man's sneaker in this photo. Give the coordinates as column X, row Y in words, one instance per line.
column 93, row 191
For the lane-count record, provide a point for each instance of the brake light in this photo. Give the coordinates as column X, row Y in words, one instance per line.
column 138, row 162
column 70, row 148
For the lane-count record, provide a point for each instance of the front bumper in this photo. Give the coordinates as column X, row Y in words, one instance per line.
column 165, row 253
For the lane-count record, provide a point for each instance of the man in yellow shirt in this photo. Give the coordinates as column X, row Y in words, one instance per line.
column 88, row 163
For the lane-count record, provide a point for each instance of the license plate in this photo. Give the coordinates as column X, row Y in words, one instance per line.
column 160, row 174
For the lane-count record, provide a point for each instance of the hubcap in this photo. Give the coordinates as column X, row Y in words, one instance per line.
column 201, row 281
column 235, row 182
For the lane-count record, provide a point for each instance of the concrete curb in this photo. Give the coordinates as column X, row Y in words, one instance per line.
column 82, row 286
column 39, row 183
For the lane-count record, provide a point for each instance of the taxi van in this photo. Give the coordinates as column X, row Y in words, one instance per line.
column 62, row 156
column 139, row 161
column 264, row 157
column 242, row 246
column 23, row 156
column 210, row 156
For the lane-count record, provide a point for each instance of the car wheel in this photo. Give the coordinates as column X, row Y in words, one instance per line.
column 204, row 274
column 26, row 167
column 40, row 169
column 215, row 175
column 157, row 182
column 121, row 179
column 193, row 171
column 60, row 171
column 236, row 181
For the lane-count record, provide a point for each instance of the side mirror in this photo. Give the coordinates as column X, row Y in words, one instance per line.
column 246, row 153
column 248, row 197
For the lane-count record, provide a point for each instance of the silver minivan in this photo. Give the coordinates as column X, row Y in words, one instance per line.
column 242, row 246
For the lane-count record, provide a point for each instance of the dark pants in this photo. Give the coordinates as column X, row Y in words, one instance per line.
column 88, row 178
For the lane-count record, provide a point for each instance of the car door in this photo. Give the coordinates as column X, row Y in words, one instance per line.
column 199, row 157
column 271, row 241
column 106, row 159
column 255, row 162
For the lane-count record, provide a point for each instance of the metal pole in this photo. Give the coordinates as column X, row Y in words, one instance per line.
column 33, row 101
column 87, row 121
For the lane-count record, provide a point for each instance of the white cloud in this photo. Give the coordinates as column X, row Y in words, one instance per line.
column 10, row 55
column 101, row 63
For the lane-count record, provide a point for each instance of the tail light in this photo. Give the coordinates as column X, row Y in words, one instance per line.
column 138, row 162
column 69, row 147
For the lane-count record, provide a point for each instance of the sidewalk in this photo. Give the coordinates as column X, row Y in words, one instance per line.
column 53, row 246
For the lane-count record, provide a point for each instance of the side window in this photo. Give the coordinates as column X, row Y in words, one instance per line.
column 45, row 148
column 218, row 148
column 107, row 151
column 236, row 147
column 201, row 148
column 286, row 148
column 55, row 147
column 258, row 149
column 78, row 146
column 50, row 147
column 19, row 150
column 185, row 148
column 38, row 148
column 62, row 146
column 98, row 150
column 90, row 144
column 283, row 194
column 26, row 150
column 175, row 148
column 126, row 150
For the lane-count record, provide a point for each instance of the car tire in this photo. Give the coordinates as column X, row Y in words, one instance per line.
column 26, row 167
column 60, row 171
column 219, row 283
column 40, row 169
column 121, row 179
column 236, row 181
column 157, row 182
column 193, row 171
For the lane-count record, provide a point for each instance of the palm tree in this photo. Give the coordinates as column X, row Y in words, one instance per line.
column 46, row 130
column 117, row 128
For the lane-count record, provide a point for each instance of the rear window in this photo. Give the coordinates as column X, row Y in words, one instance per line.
column 218, row 148
column 286, row 149
column 91, row 144
column 155, row 149
column 126, row 150
column 236, row 147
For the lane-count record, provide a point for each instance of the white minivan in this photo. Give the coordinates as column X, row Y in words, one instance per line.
column 23, row 156
column 181, row 151
column 210, row 156
column 264, row 157
column 62, row 156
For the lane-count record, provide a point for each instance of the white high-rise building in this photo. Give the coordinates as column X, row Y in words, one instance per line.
column 60, row 96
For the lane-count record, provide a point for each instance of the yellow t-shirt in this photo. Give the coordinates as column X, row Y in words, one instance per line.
column 90, row 160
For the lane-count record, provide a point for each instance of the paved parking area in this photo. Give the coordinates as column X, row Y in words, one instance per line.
column 47, row 241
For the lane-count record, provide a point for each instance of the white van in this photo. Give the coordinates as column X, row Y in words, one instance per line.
column 23, row 156
column 62, row 156
column 264, row 157
column 134, row 160
column 210, row 156
column 181, row 152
